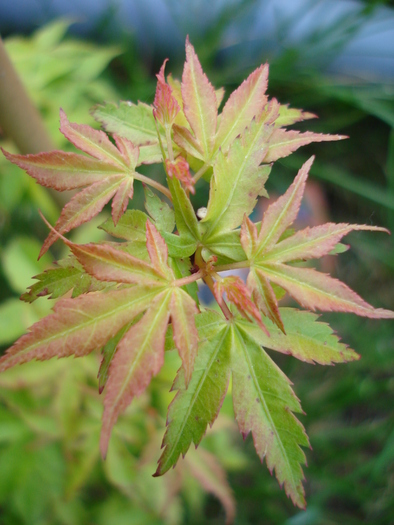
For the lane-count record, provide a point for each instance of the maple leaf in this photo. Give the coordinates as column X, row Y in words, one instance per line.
column 199, row 102
column 179, row 168
column 310, row 288
column 165, row 104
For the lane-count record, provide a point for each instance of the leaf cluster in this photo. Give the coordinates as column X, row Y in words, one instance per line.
column 137, row 298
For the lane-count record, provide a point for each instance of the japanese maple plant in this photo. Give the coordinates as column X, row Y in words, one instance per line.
column 136, row 298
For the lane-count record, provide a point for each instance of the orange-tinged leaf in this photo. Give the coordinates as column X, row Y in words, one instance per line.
column 315, row 290
column 139, row 356
column 91, row 141
column 248, row 236
column 243, row 105
column 121, row 199
column 165, row 104
column 83, row 207
column 183, row 310
column 63, row 171
column 199, row 101
column 238, row 294
column 179, row 168
column 264, row 296
column 128, row 150
column 109, row 264
column 79, row 325
column 283, row 212
column 312, row 243
column 283, row 143
column 158, row 251
column 185, row 140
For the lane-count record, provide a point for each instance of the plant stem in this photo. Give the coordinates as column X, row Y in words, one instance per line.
column 189, row 279
column 232, row 266
column 154, row 184
column 200, row 173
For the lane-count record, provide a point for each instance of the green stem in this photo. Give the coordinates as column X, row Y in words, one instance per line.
column 154, row 184
column 200, row 173
column 232, row 266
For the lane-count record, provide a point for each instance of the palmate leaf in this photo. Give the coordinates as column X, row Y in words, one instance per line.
column 79, row 325
column 109, row 174
column 310, row 288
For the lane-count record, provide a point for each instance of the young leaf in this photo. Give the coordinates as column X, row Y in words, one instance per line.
column 306, row 338
column 158, row 252
column 131, row 226
column 264, row 296
column 183, row 311
column 197, row 406
column 165, row 104
column 263, row 402
column 243, row 105
column 237, row 181
column 79, row 325
column 139, row 356
column 282, row 142
column 185, row 217
column 283, row 212
column 108, row 353
column 288, row 116
column 199, row 102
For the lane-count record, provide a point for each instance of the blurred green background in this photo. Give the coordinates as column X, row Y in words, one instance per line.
column 50, row 469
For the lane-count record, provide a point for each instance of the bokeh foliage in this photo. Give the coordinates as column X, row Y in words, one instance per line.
column 50, row 412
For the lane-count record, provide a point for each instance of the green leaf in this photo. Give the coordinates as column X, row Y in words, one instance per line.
column 197, row 406
column 185, row 217
column 237, row 181
column 263, row 402
column 56, row 282
column 162, row 215
column 131, row 226
column 179, row 245
column 306, row 338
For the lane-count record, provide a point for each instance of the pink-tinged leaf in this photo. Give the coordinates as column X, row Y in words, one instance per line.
column 63, row 171
column 185, row 140
column 264, row 296
column 248, row 236
column 318, row 291
column 238, row 294
column 263, row 405
column 238, row 179
column 306, row 339
column 196, row 407
column 128, row 150
column 165, row 104
column 199, row 101
column 121, row 199
column 83, row 206
column 179, row 168
column 313, row 242
column 283, row 212
column 283, row 143
column 79, row 325
column 158, row 252
column 244, row 104
column 139, row 356
column 91, row 141
column 208, row 471
column 183, row 311
column 109, row 264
